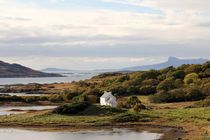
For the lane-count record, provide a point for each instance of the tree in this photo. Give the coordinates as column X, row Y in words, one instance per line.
column 191, row 78
column 160, row 97
column 206, row 66
column 193, row 69
column 194, row 93
column 167, row 84
column 177, row 95
column 180, row 74
column 133, row 100
column 147, row 89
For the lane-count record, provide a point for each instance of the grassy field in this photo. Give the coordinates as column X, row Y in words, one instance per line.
column 194, row 121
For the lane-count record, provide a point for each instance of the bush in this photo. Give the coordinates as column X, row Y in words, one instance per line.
column 177, row 95
column 80, row 98
column 147, row 89
column 132, row 90
column 139, row 107
column 69, row 95
column 167, row 84
column 55, row 98
column 191, row 78
column 101, row 110
column 151, row 82
column 71, row 109
column 178, row 74
column 92, row 98
column 132, row 101
column 11, row 99
column 205, row 103
column 31, row 99
column 126, row 117
column 194, row 68
column 160, row 97
column 194, row 93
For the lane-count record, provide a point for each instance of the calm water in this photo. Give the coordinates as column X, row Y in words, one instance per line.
column 23, row 94
column 116, row 134
column 5, row 110
column 46, row 80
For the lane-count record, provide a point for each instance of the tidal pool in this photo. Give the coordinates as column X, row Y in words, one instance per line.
column 115, row 134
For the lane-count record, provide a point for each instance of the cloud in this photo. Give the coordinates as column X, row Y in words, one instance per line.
column 85, row 62
column 101, row 35
column 184, row 5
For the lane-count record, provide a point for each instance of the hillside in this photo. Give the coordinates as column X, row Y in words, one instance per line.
column 172, row 61
column 189, row 82
column 16, row 70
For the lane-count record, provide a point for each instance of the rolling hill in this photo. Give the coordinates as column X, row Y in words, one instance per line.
column 15, row 70
column 172, row 61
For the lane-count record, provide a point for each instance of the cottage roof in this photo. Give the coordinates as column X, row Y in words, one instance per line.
column 106, row 94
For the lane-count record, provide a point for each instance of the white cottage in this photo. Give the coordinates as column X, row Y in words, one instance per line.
column 107, row 99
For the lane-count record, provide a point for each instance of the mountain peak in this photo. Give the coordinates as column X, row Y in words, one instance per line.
column 172, row 58
column 172, row 61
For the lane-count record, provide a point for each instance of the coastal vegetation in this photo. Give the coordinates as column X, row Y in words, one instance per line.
column 184, row 83
column 173, row 97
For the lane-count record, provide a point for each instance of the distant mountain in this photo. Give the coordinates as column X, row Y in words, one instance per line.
column 172, row 61
column 16, row 70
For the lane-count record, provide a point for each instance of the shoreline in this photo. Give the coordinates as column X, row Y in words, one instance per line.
column 167, row 131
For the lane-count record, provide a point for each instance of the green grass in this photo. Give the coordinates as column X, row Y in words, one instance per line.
column 48, row 119
column 200, row 116
column 195, row 119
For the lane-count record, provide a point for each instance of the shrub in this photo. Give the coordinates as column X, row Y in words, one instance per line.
column 152, row 74
column 55, row 98
column 80, row 98
column 151, row 82
column 71, row 109
column 126, row 117
column 167, row 84
column 123, row 78
column 194, row 93
column 178, row 74
column 101, row 110
column 147, row 89
column 11, row 99
column 132, row 90
column 191, row 78
column 69, row 95
column 31, row 99
column 92, row 98
column 205, row 103
column 139, row 107
column 177, row 95
column 160, row 97
column 119, row 90
column 194, row 68
column 132, row 101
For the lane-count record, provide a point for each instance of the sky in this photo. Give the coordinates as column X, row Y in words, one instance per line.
column 102, row 34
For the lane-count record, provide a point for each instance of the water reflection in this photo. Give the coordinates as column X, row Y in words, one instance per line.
column 22, row 94
column 9, row 110
column 116, row 134
column 44, row 80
